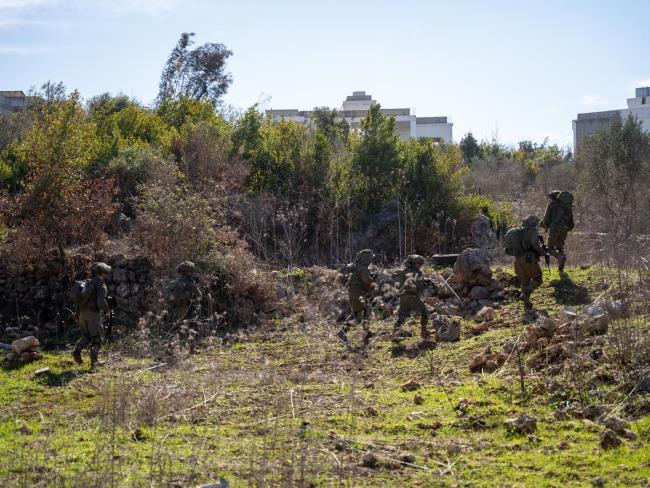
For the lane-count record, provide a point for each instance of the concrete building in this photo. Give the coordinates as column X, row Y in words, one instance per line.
column 11, row 101
column 593, row 122
column 356, row 106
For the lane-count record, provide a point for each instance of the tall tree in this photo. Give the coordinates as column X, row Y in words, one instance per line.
column 198, row 74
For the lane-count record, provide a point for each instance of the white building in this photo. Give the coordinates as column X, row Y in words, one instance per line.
column 590, row 123
column 356, row 106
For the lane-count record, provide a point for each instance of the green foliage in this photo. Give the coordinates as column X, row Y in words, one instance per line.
column 284, row 162
column 177, row 112
column 376, row 159
column 615, row 174
column 469, row 147
column 122, row 124
column 431, row 178
column 198, row 74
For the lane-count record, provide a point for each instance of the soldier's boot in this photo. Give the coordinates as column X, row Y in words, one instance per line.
column 94, row 356
column 528, row 305
column 76, row 355
column 561, row 263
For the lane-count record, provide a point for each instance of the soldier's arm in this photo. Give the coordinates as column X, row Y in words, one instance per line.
column 537, row 246
column 366, row 279
column 546, row 218
column 102, row 294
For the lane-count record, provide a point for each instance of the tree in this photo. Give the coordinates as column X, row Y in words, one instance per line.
column 375, row 161
column 198, row 74
column 469, row 147
column 331, row 125
column 614, row 168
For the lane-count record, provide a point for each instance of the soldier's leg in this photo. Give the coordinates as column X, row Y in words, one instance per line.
column 422, row 310
column 520, row 272
column 95, row 345
column 533, row 279
column 78, row 347
column 556, row 240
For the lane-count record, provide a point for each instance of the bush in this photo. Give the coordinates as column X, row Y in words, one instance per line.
column 54, row 213
column 174, row 224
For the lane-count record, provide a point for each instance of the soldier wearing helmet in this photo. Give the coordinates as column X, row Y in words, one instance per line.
column 89, row 314
column 411, row 283
column 359, row 287
column 527, row 266
column 184, row 293
column 558, row 220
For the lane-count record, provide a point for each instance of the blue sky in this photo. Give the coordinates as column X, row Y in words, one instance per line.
column 511, row 69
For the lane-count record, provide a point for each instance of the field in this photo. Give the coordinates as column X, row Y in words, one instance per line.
column 289, row 405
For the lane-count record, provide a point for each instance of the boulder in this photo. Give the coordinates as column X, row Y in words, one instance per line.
column 481, row 233
column 447, row 330
column 597, row 325
column 567, row 314
column 616, row 424
column 523, row 424
column 486, row 314
column 29, row 343
column 478, row 293
column 411, row 385
column 472, row 268
column 609, row 439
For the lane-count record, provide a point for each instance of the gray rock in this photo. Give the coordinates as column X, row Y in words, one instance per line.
column 478, row 293
column 447, row 330
column 473, row 268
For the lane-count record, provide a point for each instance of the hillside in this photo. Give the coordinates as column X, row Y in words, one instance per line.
column 288, row 405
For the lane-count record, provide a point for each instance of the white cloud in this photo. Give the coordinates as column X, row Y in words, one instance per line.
column 116, row 6
column 21, row 50
column 21, row 4
column 592, row 100
column 642, row 83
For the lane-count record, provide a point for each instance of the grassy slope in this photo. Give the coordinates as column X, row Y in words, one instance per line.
column 290, row 405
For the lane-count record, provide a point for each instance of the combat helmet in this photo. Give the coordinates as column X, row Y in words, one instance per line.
column 186, row 268
column 364, row 257
column 413, row 260
column 98, row 268
column 530, row 222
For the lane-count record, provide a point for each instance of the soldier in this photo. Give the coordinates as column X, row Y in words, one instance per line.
column 89, row 315
column 527, row 261
column 184, row 292
column 411, row 284
column 558, row 220
column 359, row 288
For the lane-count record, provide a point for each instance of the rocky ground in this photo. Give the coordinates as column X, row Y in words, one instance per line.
column 548, row 400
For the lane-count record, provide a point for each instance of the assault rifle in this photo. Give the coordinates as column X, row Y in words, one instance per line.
column 547, row 256
column 108, row 324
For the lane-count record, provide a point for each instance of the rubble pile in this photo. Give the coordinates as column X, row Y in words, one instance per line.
column 24, row 350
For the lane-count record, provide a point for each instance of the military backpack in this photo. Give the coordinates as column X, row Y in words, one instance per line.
column 82, row 292
column 513, row 242
column 562, row 217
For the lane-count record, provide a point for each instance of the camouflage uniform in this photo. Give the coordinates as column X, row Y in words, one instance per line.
column 411, row 284
column 184, row 292
column 527, row 266
column 359, row 288
column 90, row 319
column 361, row 283
column 553, row 220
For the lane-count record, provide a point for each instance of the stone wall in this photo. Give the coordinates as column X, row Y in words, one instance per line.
column 40, row 300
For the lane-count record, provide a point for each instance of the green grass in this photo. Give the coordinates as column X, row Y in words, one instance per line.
column 290, row 406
